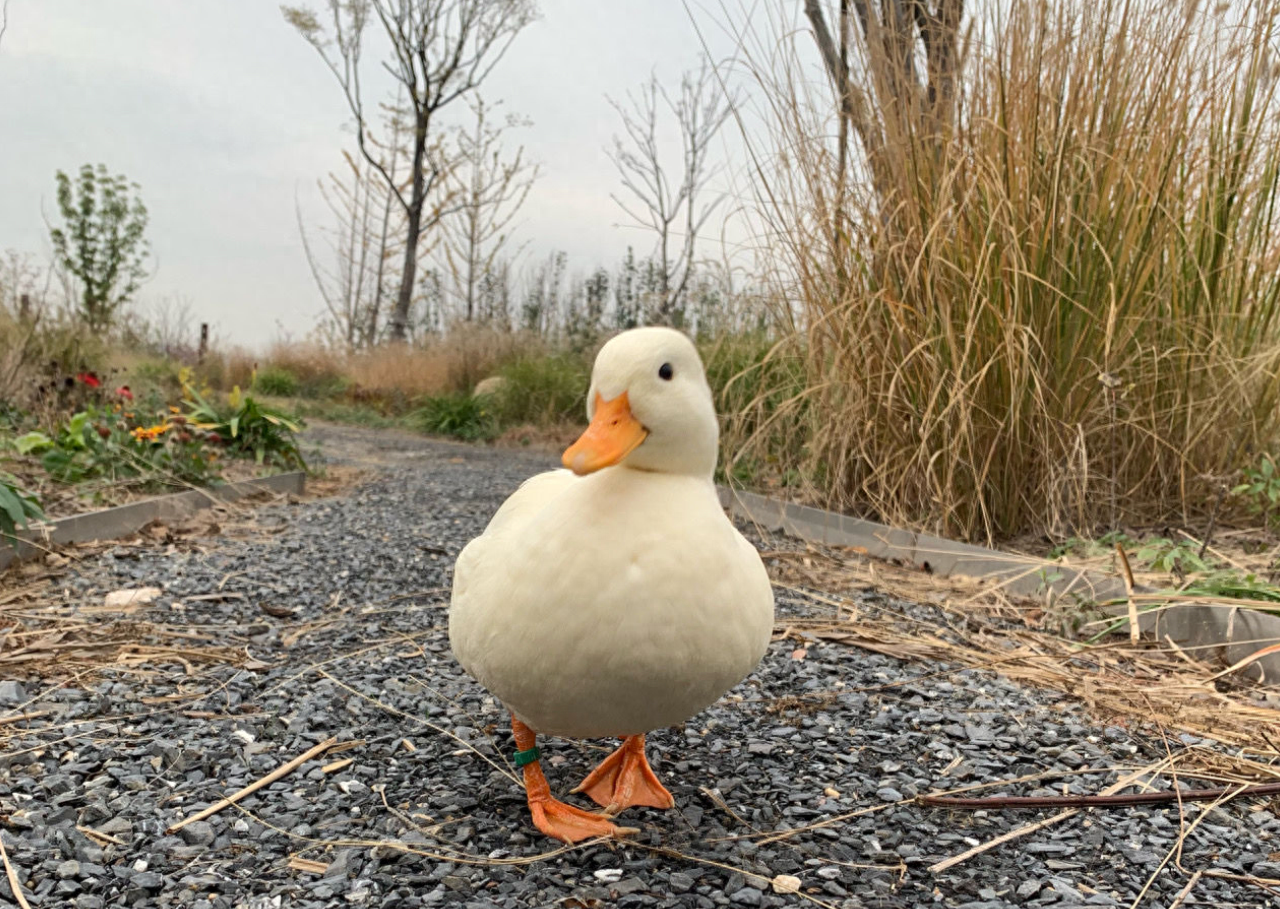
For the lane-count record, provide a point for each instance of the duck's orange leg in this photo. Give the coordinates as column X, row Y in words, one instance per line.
column 625, row 779
column 553, row 817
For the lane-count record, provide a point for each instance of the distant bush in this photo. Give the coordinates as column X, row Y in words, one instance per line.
column 317, row 372
column 755, row 380
column 152, row 373
column 461, row 416
column 278, row 381
column 544, row 390
column 38, row 354
column 227, row 369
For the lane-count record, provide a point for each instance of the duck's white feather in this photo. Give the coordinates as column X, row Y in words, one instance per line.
column 610, row 604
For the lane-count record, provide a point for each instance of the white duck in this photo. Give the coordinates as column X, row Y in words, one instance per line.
column 615, row 597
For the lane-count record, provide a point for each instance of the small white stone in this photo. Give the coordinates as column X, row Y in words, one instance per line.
column 786, row 883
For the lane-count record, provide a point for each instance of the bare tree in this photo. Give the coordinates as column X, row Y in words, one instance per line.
column 364, row 236
column 19, row 278
column 882, row 97
column 4, row 18
column 440, row 51
column 168, row 324
column 488, row 192
column 673, row 209
column 542, row 304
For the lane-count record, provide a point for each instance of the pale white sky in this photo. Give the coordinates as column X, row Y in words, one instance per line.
column 225, row 117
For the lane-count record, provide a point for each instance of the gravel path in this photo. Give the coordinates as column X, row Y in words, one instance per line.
column 338, row 622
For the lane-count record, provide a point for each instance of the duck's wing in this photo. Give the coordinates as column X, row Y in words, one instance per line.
column 533, row 495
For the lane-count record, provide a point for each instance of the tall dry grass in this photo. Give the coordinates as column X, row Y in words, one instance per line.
column 1060, row 313
column 394, row 374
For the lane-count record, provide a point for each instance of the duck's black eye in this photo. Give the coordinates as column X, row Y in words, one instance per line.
column 665, row 372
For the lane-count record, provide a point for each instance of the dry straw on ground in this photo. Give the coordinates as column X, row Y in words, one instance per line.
column 1157, row 684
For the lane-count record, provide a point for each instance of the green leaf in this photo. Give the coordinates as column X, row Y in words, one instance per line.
column 12, row 505
column 32, row 442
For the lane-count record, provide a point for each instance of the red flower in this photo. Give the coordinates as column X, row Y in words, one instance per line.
column 89, row 379
column 124, row 392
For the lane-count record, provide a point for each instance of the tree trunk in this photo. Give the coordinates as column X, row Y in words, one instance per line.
column 400, row 318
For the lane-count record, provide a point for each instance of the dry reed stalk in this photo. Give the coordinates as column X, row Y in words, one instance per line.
column 1176, row 849
column 18, row 718
column 307, row 865
column 14, row 885
column 100, row 836
column 282, row 770
column 1135, row 632
column 1181, row 896
column 939, row 867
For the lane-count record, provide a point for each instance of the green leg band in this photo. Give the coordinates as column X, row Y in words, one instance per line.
column 527, row 757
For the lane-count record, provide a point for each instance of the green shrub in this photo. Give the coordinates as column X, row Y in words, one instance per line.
column 343, row 412
column 461, row 416
column 102, row 445
column 17, row 508
column 759, row 388
column 1261, row 489
column 543, row 391
column 155, row 374
column 278, row 381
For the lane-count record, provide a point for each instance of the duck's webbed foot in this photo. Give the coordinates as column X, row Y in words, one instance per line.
column 552, row 816
column 624, row 779
column 572, row 825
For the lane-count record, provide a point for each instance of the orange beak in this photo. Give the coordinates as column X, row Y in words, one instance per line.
column 613, row 434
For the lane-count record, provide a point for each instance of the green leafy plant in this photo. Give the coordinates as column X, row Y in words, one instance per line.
column 248, row 428
column 278, row 381
column 102, row 242
column 115, row 445
column 17, row 508
column 1236, row 585
column 1165, row 555
column 1261, row 488
column 1092, row 549
column 461, row 416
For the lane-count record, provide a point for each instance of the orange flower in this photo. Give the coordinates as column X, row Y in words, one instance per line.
column 151, row 433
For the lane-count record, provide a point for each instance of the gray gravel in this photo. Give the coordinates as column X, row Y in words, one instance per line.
column 803, row 740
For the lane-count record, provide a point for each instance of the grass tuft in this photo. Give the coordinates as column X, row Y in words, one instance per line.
column 456, row 414
column 543, row 390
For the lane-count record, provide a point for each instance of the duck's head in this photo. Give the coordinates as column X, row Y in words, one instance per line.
column 650, row 407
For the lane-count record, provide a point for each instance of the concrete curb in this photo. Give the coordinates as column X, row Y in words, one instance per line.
column 1239, row 632
column 114, row 523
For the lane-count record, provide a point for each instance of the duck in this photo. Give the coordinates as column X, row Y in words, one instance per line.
column 613, row 597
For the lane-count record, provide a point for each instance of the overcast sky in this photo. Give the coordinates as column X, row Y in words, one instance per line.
column 226, row 117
